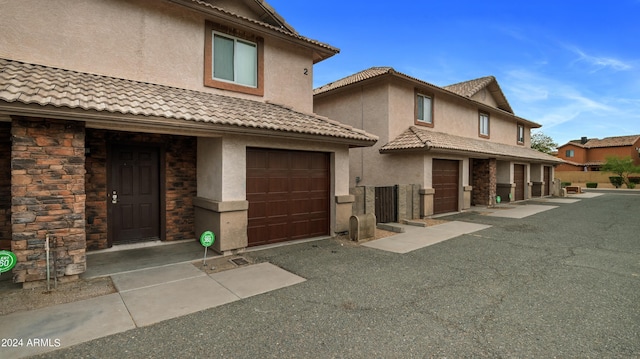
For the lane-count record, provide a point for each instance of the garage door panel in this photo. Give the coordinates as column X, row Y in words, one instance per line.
column 319, row 184
column 278, row 185
column 278, row 232
column 275, row 161
column 301, row 185
column 295, row 202
column 257, row 210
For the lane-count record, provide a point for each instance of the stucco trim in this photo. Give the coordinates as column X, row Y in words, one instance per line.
column 345, row 199
column 220, row 207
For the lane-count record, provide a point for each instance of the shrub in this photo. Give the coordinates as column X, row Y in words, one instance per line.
column 616, row 181
column 592, row 184
column 634, row 180
column 565, row 184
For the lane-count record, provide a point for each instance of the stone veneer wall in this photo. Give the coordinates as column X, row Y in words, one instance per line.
column 5, row 186
column 484, row 182
column 48, row 198
column 180, row 182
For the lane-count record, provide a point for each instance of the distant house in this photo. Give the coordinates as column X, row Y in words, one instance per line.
column 440, row 149
column 154, row 120
column 588, row 154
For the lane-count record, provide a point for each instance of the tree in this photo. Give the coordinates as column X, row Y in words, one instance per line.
column 543, row 143
column 621, row 166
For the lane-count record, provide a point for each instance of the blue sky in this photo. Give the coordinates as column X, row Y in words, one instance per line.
column 572, row 66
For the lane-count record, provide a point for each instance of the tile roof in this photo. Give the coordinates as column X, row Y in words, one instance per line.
column 606, row 142
column 472, row 87
column 592, row 163
column 285, row 28
column 57, row 89
column 417, row 138
column 355, row 78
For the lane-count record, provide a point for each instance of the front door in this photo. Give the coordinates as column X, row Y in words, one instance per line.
column 445, row 182
column 134, row 194
column 547, row 180
column 519, row 179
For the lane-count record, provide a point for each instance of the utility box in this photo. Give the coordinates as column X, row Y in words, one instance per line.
column 362, row 227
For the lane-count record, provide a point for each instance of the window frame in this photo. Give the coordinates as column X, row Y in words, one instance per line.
column 569, row 153
column 482, row 114
column 519, row 131
column 237, row 35
column 421, row 94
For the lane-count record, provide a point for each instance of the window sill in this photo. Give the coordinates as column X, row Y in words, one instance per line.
column 258, row 91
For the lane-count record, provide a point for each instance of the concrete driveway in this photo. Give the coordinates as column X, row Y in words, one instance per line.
column 560, row 283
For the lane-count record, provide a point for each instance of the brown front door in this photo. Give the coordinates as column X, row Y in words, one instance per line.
column 446, row 185
column 518, row 178
column 134, row 194
column 288, row 195
column 547, row 180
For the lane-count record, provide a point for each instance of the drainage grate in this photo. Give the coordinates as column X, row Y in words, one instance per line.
column 239, row 261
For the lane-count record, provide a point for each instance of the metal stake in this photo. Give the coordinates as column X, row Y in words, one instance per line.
column 204, row 263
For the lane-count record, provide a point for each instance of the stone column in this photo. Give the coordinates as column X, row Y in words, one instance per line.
column 48, row 198
column 344, row 210
column 221, row 205
column 466, row 195
column 426, row 201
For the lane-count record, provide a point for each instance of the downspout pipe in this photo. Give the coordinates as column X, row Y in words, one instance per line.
column 46, row 248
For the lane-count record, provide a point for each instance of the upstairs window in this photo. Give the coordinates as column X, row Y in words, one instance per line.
column 233, row 60
column 424, row 109
column 569, row 153
column 483, row 124
column 520, row 134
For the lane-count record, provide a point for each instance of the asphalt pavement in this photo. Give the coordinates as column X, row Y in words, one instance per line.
column 564, row 282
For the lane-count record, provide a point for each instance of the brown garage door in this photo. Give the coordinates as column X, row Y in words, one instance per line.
column 288, row 194
column 445, row 183
column 518, row 178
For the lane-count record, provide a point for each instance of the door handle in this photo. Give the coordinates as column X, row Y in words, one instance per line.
column 114, row 197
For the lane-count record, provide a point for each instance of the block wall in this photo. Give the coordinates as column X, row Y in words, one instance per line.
column 48, row 198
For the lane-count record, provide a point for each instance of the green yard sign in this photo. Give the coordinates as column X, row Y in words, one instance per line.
column 8, row 260
column 207, row 238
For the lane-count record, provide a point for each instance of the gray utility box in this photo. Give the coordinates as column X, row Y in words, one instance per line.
column 362, row 227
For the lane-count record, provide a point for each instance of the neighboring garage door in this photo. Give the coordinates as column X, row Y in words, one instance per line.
column 445, row 183
column 288, row 194
column 518, row 178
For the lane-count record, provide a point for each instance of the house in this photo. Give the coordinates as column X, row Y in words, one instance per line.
column 440, row 149
column 589, row 154
column 154, row 120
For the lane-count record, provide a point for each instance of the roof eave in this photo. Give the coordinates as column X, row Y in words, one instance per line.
column 473, row 154
column 153, row 124
column 321, row 51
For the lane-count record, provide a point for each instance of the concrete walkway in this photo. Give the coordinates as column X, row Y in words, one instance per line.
column 521, row 211
column 415, row 237
column 144, row 297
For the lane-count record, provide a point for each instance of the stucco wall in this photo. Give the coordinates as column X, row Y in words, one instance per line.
column 450, row 115
column 580, row 154
column 140, row 40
